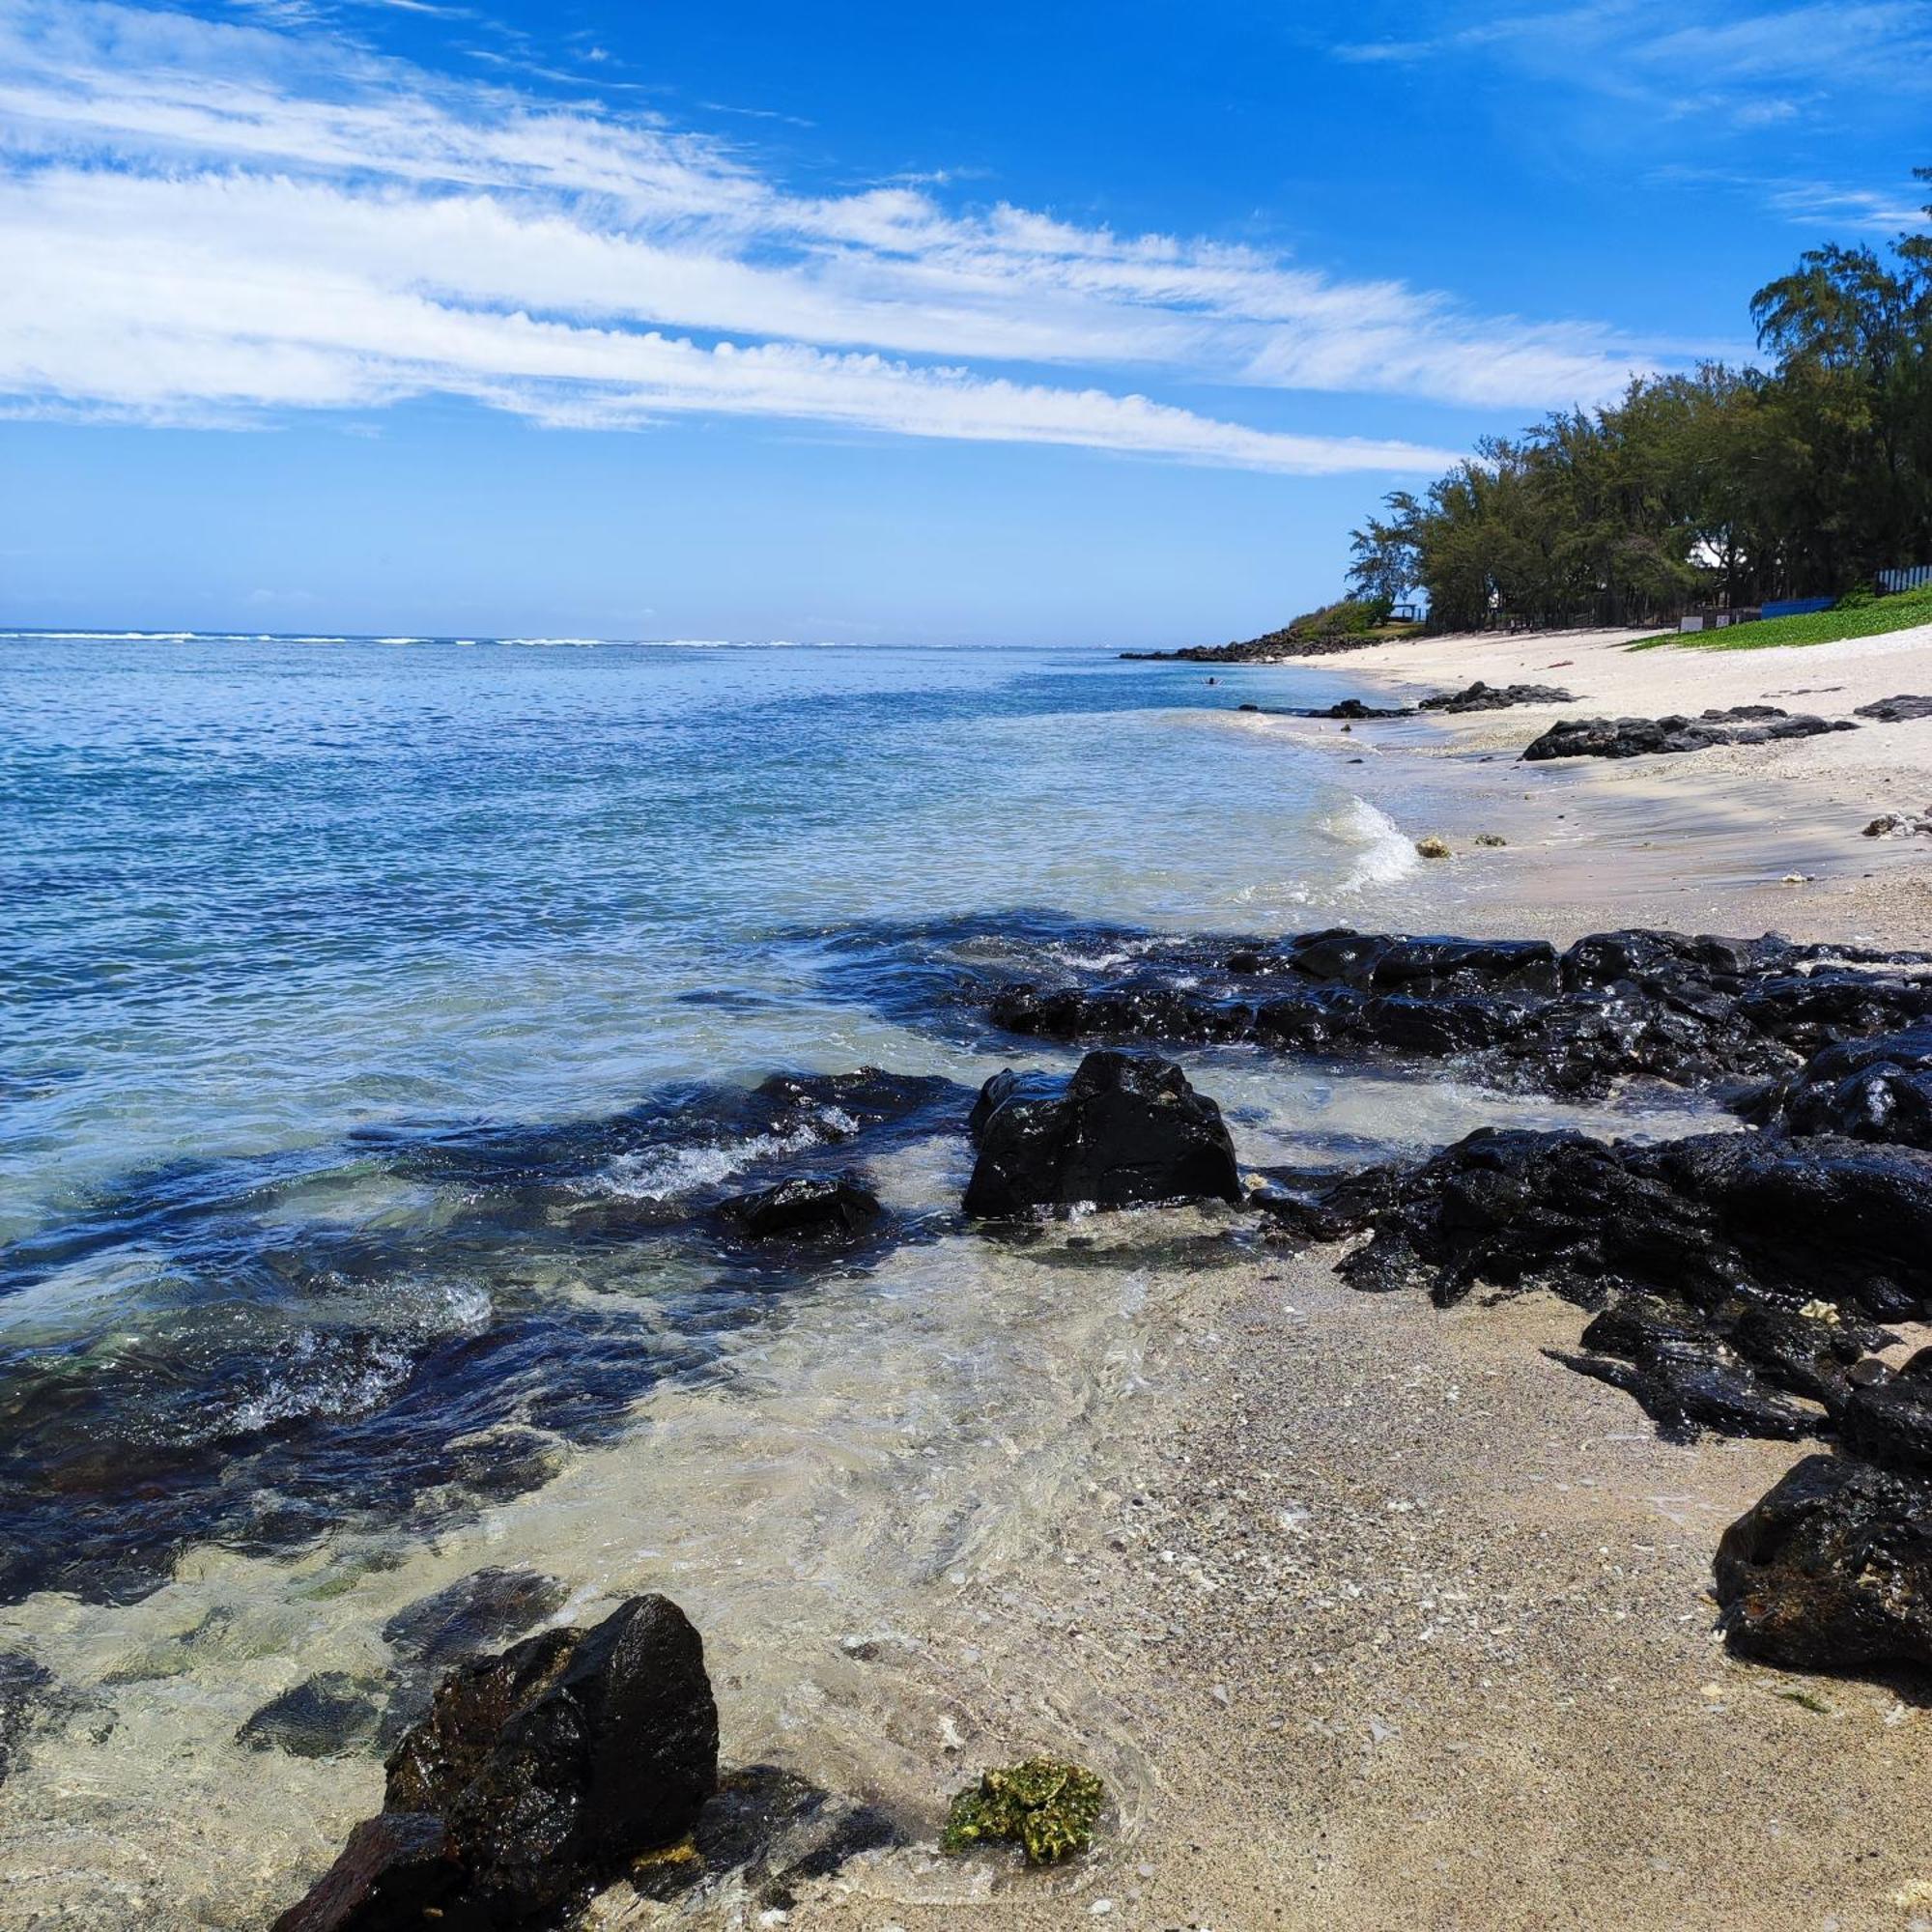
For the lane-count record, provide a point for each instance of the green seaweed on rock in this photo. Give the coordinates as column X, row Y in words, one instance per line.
column 1047, row 1807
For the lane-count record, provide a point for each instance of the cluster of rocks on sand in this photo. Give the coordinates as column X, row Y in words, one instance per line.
column 1740, row 1282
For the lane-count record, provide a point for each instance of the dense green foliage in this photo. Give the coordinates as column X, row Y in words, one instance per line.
column 1735, row 484
column 1855, row 617
column 1350, row 618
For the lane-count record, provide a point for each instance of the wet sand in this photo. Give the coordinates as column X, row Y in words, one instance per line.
column 1412, row 1624
column 1416, row 1626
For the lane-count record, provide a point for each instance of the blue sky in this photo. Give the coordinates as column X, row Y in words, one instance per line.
column 1078, row 323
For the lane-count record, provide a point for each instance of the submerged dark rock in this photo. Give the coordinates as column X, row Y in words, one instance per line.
column 1481, row 696
column 535, row 1773
column 1643, row 737
column 321, row 1716
column 299, row 1371
column 36, row 1703
column 1832, row 1570
column 465, row 1618
column 1897, row 710
column 1127, row 1129
column 804, row 1207
column 766, row 1831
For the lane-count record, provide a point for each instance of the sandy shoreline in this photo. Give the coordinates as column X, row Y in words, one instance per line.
column 1416, row 1625
column 1707, row 841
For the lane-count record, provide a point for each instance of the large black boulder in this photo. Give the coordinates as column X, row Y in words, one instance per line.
column 1127, row 1129
column 534, row 1773
column 1832, row 1570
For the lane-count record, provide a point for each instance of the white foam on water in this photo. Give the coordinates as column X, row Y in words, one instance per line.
column 1386, row 853
column 314, row 1385
column 664, row 1174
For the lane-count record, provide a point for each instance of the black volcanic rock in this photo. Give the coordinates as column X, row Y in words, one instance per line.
column 1125, row 1129
column 1704, row 1220
column 1643, row 737
column 535, row 1773
column 395, row 1871
column 1740, row 1276
column 1832, row 1570
column 1695, row 1010
column 1897, row 710
column 1270, row 649
column 1877, row 1089
column 807, row 1207
column 1889, row 1420
column 1481, row 696
column 1679, row 1367
column 1699, row 1385
column 1355, row 710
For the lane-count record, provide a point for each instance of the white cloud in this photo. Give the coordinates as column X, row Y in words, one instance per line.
column 208, row 221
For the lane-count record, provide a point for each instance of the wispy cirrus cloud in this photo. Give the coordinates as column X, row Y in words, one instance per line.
column 1810, row 203
column 210, row 222
column 1673, row 54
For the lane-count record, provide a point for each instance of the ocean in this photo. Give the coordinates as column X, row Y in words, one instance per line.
column 382, row 1018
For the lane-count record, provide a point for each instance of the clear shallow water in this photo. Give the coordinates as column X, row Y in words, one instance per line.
column 252, row 893
column 378, row 1019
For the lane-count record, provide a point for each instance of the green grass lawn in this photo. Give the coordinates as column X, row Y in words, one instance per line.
column 1817, row 627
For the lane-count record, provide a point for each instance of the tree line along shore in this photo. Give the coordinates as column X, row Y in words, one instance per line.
column 1808, row 480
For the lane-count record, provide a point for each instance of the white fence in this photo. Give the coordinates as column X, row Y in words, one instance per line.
column 1892, row 581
